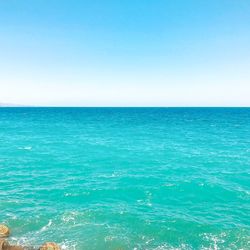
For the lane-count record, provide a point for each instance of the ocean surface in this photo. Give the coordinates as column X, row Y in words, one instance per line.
column 126, row 178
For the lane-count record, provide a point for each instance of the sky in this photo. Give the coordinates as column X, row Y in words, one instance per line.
column 125, row 52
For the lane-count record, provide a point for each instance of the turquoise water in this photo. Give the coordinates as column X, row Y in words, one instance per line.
column 112, row 178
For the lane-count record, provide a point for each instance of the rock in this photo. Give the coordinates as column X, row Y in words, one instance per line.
column 3, row 244
column 4, row 231
column 49, row 246
column 13, row 248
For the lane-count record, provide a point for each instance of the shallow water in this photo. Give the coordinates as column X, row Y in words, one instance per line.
column 131, row 178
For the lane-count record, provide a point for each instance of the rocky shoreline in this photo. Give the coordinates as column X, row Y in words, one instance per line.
column 4, row 244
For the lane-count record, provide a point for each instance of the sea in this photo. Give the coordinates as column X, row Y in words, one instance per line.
column 126, row 178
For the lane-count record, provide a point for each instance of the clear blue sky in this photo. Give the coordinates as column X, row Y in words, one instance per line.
column 125, row 52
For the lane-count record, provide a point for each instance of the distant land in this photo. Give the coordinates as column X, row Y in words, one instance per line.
column 2, row 105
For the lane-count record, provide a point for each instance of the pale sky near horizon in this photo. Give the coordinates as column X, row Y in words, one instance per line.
column 125, row 52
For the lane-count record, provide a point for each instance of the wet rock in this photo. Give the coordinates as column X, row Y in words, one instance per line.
column 4, row 231
column 49, row 246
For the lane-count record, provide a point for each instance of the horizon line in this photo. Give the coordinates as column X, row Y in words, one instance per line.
column 48, row 106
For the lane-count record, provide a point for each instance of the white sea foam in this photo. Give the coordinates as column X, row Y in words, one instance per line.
column 46, row 227
column 68, row 245
column 25, row 148
column 169, row 185
column 169, row 247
